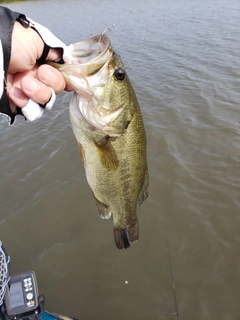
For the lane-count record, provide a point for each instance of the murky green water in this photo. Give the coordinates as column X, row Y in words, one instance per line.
column 183, row 59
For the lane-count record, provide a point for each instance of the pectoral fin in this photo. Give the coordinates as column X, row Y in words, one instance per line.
column 107, row 154
column 81, row 150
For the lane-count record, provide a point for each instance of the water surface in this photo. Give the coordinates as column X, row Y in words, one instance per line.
column 183, row 60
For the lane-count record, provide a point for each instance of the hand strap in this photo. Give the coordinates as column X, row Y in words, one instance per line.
column 44, row 55
column 34, row 110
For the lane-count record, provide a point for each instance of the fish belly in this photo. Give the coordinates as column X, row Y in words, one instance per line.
column 116, row 189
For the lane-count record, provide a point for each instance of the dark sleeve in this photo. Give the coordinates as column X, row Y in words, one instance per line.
column 7, row 19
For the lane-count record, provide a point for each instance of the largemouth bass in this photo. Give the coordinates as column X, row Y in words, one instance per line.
column 107, row 123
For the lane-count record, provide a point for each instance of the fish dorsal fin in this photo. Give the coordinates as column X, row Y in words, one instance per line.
column 103, row 209
column 107, row 154
column 143, row 194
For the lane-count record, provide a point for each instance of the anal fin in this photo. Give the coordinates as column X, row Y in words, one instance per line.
column 103, row 209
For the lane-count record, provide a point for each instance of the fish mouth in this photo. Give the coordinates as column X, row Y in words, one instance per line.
column 88, row 71
column 89, row 49
column 93, row 53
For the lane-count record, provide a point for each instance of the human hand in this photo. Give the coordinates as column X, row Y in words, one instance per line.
column 26, row 79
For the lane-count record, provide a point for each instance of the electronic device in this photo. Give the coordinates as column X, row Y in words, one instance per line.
column 21, row 299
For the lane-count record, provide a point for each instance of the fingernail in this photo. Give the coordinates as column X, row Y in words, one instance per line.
column 17, row 97
column 15, row 92
column 31, row 86
column 47, row 75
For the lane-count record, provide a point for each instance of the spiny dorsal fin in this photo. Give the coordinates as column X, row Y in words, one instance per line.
column 107, row 154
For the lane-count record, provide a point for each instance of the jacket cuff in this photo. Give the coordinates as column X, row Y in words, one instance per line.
column 7, row 20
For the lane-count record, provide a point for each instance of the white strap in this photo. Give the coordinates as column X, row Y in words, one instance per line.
column 51, row 102
column 33, row 110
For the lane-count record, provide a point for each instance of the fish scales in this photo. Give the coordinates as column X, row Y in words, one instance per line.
column 108, row 126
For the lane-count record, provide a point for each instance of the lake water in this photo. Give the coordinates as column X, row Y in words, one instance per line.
column 183, row 58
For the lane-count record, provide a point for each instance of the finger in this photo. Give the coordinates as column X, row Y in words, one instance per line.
column 14, row 80
column 55, row 55
column 35, row 90
column 51, row 77
column 17, row 96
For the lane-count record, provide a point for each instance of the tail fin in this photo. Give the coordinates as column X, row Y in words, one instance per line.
column 125, row 236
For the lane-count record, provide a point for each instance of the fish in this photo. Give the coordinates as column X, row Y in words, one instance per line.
column 108, row 125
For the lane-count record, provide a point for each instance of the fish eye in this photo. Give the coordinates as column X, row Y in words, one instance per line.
column 119, row 74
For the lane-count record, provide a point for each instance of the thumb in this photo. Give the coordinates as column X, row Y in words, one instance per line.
column 55, row 55
column 51, row 42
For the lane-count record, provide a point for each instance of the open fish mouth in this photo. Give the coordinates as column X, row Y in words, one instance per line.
column 91, row 54
column 90, row 49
